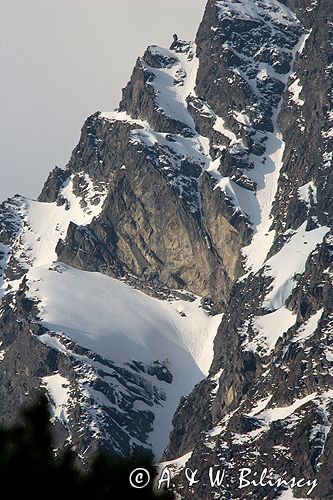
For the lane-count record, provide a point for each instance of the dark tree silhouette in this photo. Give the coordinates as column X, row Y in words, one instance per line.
column 29, row 467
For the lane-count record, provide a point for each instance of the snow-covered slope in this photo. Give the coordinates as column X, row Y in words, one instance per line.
column 111, row 319
column 270, row 378
column 188, row 237
column 106, row 316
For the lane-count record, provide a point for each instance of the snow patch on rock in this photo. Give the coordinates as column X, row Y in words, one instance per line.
column 58, row 388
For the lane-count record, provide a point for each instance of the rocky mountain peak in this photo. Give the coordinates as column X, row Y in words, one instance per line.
column 186, row 251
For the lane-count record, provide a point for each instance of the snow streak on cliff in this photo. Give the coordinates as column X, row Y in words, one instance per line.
column 189, row 236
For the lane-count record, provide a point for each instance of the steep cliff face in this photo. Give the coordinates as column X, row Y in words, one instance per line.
column 117, row 275
column 208, row 191
column 267, row 400
column 161, row 222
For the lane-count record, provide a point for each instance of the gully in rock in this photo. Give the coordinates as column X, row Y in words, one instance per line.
column 171, row 289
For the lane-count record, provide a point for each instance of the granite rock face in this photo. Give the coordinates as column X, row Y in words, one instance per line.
column 134, row 204
column 207, row 191
column 268, row 398
column 162, row 220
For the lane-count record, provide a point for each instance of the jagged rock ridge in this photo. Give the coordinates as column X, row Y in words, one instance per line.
column 268, row 399
column 207, row 191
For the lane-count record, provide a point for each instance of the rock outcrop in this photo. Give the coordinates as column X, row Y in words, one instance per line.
column 267, row 400
column 199, row 210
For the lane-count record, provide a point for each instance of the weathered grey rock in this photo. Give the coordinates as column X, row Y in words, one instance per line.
column 170, row 220
column 299, row 366
column 145, row 228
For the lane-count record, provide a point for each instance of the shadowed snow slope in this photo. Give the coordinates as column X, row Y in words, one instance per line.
column 122, row 324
